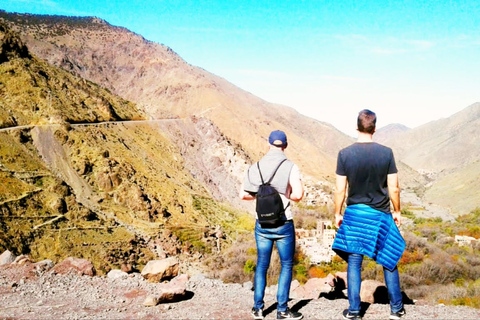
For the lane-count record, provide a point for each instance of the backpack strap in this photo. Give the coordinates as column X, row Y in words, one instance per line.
column 273, row 175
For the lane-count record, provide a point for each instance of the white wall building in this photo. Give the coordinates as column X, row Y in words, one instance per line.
column 317, row 244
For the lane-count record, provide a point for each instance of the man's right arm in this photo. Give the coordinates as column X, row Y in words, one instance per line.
column 340, row 193
column 296, row 184
column 394, row 193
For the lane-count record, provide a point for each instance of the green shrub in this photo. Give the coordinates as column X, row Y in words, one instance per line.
column 249, row 267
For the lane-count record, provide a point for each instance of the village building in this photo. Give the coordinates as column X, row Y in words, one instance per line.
column 317, row 243
column 464, row 241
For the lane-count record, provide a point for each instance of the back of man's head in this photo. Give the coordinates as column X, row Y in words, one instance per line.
column 366, row 121
column 278, row 139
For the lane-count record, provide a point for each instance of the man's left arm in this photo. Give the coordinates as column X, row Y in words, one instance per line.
column 244, row 195
column 394, row 192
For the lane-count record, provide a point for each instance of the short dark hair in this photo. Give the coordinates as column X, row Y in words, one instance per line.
column 366, row 121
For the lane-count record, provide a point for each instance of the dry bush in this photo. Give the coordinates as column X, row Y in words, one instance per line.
column 419, row 292
column 372, row 270
column 274, row 270
column 438, row 293
column 474, row 288
column 230, row 265
column 414, row 242
column 408, row 281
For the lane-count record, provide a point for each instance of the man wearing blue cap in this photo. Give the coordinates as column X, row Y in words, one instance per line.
column 287, row 181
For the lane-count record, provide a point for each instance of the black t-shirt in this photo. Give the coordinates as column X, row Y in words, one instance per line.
column 366, row 166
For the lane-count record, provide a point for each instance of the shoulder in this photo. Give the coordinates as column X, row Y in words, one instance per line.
column 383, row 148
column 351, row 148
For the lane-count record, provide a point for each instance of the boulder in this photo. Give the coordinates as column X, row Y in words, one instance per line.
column 7, row 257
column 160, row 270
column 174, row 290
column 71, row 264
column 126, row 267
column 373, row 291
column 22, row 260
column 313, row 288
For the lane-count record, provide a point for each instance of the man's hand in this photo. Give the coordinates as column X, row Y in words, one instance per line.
column 397, row 218
column 338, row 219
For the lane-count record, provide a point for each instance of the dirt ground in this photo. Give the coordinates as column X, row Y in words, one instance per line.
column 29, row 293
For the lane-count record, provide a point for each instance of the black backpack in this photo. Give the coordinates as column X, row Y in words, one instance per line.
column 269, row 205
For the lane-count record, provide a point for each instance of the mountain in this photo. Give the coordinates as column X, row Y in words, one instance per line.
column 85, row 173
column 444, row 144
column 389, row 132
column 156, row 78
column 446, row 151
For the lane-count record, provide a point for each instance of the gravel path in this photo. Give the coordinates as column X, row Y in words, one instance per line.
column 24, row 295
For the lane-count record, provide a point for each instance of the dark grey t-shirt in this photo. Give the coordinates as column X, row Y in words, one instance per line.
column 366, row 166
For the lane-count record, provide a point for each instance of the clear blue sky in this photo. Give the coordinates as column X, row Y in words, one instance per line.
column 410, row 61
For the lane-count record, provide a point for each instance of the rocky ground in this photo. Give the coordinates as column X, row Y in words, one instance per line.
column 29, row 293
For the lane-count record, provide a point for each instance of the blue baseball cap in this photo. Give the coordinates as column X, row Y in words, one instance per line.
column 278, row 138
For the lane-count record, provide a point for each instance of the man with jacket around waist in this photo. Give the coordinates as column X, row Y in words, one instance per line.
column 368, row 228
column 287, row 181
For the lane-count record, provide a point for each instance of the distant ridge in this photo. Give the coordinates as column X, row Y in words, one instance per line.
column 389, row 132
column 443, row 144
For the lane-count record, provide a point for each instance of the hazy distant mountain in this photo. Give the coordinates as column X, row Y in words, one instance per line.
column 447, row 151
column 389, row 132
column 444, row 144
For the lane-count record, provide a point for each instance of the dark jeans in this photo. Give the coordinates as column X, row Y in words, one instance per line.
column 284, row 236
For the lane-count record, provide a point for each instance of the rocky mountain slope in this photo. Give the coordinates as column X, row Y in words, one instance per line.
column 82, row 174
column 157, row 79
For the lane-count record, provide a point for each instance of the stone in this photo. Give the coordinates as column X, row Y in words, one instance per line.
column 80, row 266
column 373, row 291
column 116, row 274
column 150, row 301
column 126, row 267
column 160, row 270
column 313, row 288
column 22, row 260
column 7, row 257
column 174, row 290
column 44, row 265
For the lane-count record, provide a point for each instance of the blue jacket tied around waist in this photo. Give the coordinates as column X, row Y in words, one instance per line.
column 371, row 233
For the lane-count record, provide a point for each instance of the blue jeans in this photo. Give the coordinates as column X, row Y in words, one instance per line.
column 354, row 282
column 284, row 236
